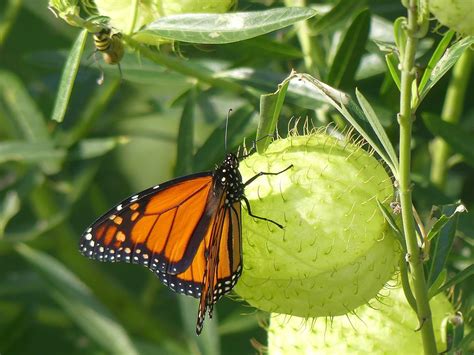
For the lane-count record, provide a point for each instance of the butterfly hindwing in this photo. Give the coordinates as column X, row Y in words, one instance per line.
column 225, row 259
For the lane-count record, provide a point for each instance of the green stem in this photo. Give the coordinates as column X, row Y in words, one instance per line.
column 406, row 117
column 452, row 110
column 312, row 54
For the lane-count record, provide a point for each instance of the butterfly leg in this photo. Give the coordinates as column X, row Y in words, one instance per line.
column 249, row 211
column 262, row 173
column 247, row 203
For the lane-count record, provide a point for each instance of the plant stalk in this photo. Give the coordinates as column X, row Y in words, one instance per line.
column 312, row 54
column 405, row 117
column 451, row 113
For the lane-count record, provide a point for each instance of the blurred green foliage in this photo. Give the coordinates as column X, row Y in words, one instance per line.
column 126, row 135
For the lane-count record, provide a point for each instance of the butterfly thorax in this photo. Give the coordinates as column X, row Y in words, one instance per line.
column 227, row 176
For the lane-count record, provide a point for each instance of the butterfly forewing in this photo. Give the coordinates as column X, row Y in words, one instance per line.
column 152, row 227
column 188, row 231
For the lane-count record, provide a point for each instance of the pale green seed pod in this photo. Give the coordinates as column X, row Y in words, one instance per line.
column 387, row 328
column 196, row 6
column 336, row 250
column 455, row 14
column 120, row 12
column 148, row 11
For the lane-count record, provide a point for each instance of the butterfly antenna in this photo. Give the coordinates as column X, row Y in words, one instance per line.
column 226, row 129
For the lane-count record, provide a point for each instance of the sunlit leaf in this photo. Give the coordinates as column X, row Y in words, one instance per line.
column 349, row 109
column 445, row 63
column 435, row 57
column 223, row 28
column 270, row 108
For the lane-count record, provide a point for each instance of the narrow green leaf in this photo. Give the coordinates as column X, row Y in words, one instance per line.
column 459, row 139
column 459, row 277
column 77, row 300
column 350, row 51
column 449, row 58
column 36, row 152
column 435, row 57
column 95, row 147
column 336, row 17
column 270, row 108
column 8, row 209
column 437, row 283
column 388, row 217
column 68, row 77
column 440, row 223
column 377, row 127
column 392, row 64
column 212, row 150
column 222, row 28
column 441, row 246
column 348, row 108
column 184, row 158
column 23, row 112
column 406, row 284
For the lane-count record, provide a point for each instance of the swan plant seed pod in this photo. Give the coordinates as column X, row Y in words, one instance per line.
column 336, row 250
column 385, row 328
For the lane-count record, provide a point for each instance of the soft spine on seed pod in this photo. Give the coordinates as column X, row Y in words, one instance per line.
column 336, row 250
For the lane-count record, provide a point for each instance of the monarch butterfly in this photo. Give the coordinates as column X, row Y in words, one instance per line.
column 187, row 231
column 111, row 46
